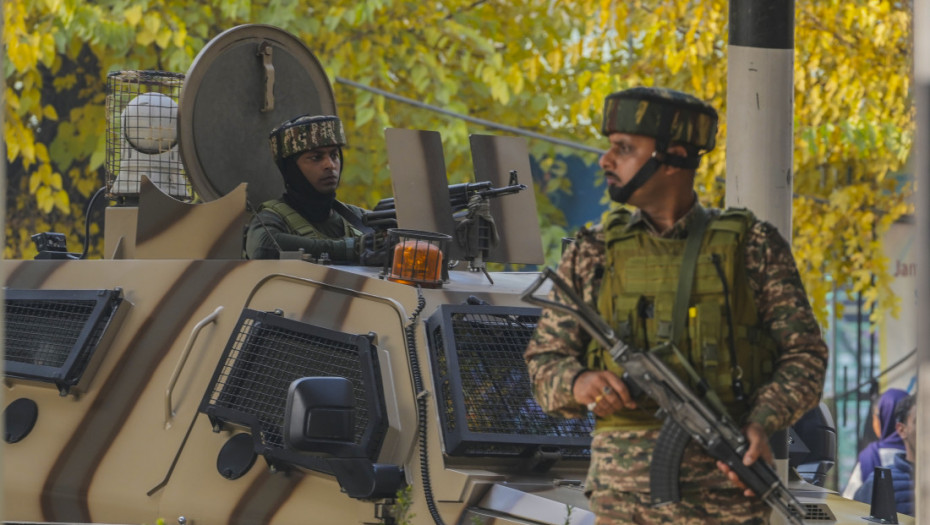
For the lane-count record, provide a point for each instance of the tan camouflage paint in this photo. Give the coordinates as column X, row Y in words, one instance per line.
column 95, row 458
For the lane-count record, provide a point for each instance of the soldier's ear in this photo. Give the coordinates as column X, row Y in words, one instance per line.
column 901, row 429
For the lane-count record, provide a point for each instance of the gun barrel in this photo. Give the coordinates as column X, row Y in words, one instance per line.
column 464, row 190
column 591, row 322
column 385, row 204
column 458, row 195
column 504, row 190
column 378, row 215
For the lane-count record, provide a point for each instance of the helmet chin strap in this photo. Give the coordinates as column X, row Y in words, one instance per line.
column 623, row 193
column 659, row 157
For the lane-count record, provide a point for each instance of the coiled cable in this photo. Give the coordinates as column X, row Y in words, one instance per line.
column 411, row 332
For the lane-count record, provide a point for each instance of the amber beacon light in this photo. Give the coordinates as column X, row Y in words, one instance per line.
column 417, row 257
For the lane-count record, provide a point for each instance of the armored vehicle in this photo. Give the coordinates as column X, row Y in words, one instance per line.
column 174, row 380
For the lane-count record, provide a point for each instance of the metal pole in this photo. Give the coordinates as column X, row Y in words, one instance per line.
column 760, row 123
column 760, row 109
column 921, row 32
column 859, row 367
column 2, row 214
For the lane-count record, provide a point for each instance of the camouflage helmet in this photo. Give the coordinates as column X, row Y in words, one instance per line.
column 662, row 113
column 304, row 133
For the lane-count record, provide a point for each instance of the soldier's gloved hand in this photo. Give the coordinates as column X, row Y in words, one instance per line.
column 377, row 240
column 373, row 248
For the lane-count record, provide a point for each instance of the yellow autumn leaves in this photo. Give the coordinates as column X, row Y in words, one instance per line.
column 150, row 29
column 534, row 64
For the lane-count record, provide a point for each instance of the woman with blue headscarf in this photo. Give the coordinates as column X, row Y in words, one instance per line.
column 879, row 453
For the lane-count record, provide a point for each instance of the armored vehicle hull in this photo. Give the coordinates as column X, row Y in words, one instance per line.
column 149, row 430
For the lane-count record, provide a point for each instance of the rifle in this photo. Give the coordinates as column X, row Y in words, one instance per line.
column 685, row 415
column 384, row 214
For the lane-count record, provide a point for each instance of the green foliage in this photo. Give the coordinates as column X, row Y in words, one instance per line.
column 402, row 504
column 535, row 64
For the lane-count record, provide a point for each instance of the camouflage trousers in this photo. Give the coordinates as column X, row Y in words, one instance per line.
column 618, row 486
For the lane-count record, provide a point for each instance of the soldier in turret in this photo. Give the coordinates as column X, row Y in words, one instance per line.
column 308, row 151
column 743, row 324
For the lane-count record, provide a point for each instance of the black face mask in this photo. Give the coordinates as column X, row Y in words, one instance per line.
column 302, row 196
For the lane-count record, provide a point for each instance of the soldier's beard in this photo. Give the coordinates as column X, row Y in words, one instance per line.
column 622, row 193
column 619, row 194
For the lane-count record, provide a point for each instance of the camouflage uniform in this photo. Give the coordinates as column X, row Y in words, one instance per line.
column 618, row 479
column 269, row 230
column 278, row 225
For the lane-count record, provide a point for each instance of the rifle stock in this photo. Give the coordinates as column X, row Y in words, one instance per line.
column 686, row 415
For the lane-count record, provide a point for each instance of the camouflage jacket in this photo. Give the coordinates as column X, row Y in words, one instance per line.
column 556, row 353
column 268, row 233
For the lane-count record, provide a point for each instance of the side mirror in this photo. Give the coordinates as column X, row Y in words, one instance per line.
column 812, row 448
column 320, row 417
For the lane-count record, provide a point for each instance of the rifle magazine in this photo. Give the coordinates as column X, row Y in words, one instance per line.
column 666, row 463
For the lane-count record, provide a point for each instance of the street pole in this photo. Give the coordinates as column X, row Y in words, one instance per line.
column 760, row 124
column 760, row 109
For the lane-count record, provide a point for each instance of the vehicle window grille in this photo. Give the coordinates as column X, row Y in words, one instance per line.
column 266, row 353
column 51, row 336
column 442, row 381
column 483, row 389
column 817, row 512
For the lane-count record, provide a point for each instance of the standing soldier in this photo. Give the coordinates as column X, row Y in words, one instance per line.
column 743, row 322
column 308, row 151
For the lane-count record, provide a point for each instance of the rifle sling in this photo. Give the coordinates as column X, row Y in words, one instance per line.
column 686, row 275
column 682, row 300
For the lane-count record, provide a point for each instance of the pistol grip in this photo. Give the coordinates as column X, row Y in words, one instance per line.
column 635, row 390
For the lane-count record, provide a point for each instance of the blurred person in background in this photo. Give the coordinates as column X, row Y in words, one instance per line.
column 902, row 467
column 879, row 453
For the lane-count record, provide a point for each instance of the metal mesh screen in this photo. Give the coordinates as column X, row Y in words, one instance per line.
column 29, row 338
column 266, row 353
column 486, row 402
column 51, row 335
column 142, row 124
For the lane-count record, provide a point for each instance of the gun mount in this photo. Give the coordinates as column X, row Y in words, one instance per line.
column 476, row 231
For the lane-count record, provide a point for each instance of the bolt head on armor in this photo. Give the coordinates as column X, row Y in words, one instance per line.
column 639, row 111
column 305, row 133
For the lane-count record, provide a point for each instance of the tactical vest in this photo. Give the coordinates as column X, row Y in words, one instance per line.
column 637, row 296
column 298, row 225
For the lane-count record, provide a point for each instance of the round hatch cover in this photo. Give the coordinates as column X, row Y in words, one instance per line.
column 241, row 85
